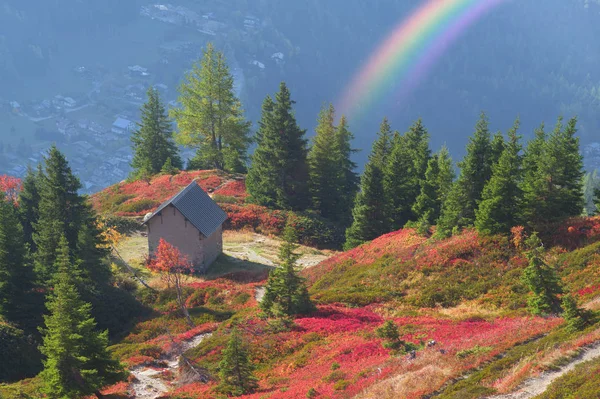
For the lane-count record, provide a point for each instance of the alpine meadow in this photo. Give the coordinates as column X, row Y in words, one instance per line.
column 289, row 200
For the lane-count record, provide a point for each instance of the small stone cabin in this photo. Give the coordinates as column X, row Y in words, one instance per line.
column 190, row 221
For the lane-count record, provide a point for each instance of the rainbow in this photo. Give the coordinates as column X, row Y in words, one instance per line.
column 408, row 54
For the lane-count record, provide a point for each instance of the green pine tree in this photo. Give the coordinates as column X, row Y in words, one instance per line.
column 29, row 199
column 553, row 182
column 370, row 213
column 398, row 184
column 278, row 174
column 498, row 145
column 541, row 280
column 77, row 362
column 417, row 145
column 575, row 317
column 427, row 205
column 458, row 210
column 60, row 213
column 286, row 292
column 532, row 184
column 349, row 178
column 153, row 141
column 324, row 167
column 16, row 275
column 591, row 183
column 501, row 201
column 236, row 371
column 211, row 118
column 168, row 168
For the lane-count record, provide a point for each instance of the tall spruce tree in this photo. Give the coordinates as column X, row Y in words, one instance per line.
column 285, row 292
column 564, row 164
column 463, row 199
column 370, row 213
column 236, row 371
column 325, row 174
column 60, row 209
column 435, row 188
column 211, row 118
column 398, row 183
column 77, row 362
column 417, row 144
column 497, row 148
column 278, row 174
column 532, row 184
column 153, row 141
column 541, row 280
column 446, row 174
column 591, row 182
column 29, row 200
column 349, row 179
column 552, row 185
column 499, row 208
column 16, row 275
column 427, row 205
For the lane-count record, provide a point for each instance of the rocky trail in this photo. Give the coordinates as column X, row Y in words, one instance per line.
column 148, row 383
column 538, row 385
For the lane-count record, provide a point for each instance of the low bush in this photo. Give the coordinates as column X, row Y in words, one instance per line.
column 139, row 206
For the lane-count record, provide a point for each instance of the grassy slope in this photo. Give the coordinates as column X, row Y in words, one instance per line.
column 464, row 293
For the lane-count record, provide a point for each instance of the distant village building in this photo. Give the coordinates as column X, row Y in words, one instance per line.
column 190, row 221
column 122, row 126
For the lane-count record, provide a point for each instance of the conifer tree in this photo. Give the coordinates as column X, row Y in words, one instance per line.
column 398, row 184
column 211, row 118
column 417, row 145
column 446, row 174
column 236, row 371
column 349, row 178
column 278, row 174
column 29, row 199
column 153, row 141
column 497, row 148
column 591, row 182
column 575, row 317
column 427, row 205
column 541, row 280
column 553, row 186
column 286, row 293
column 499, row 208
column 463, row 199
column 532, row 184
column 564, row 164
column 77, row 362
column 370, row 213
column 435, row 188
column 16, row 276
column 324, row 166
column 60, row 213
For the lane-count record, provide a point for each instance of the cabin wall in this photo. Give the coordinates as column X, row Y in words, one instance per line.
column 172, row 226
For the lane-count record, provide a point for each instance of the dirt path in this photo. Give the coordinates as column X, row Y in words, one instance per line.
column 259, row 294
column 148, row 384
column 538, row 385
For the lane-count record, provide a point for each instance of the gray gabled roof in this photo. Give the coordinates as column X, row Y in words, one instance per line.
column 197, row 207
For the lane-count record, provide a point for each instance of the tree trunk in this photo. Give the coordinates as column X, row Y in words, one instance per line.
column 182, row 303
column 98, row 395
